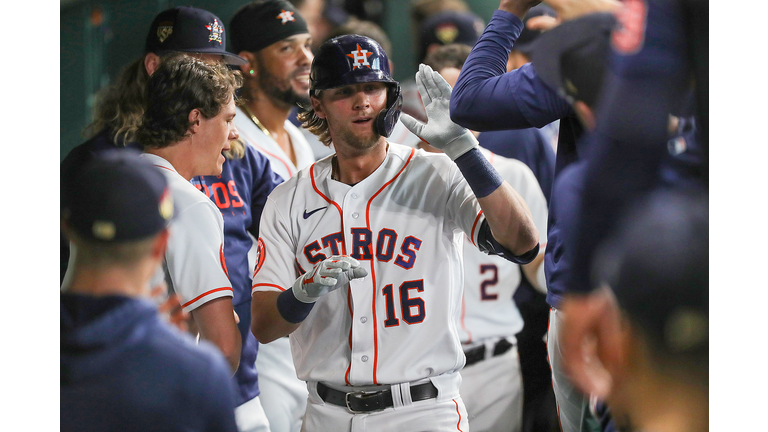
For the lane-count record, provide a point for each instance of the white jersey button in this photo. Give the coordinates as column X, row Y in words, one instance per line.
column 355, row 215
column 364, row 358
column 363, row 320
column 354, row 196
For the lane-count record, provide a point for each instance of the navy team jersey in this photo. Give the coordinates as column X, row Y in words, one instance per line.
column 529, row 147
column 240, row 193
column 124, row 369
column 650, row 72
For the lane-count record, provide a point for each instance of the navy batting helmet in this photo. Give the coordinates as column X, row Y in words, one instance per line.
column 354, row 59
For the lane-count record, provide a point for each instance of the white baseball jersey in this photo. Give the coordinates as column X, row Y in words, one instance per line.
column 490, row 281
column 194, row 262
column 406, row 224
column 279, row 161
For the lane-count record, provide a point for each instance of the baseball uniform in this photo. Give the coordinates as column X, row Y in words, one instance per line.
column 491, row 384
column 194, row 262
column 405, row 224
column 286, row 398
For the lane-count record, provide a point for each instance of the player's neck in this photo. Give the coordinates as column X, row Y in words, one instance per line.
column 270, row 117
column 353, row 165
column 112, row 281
column 272, row 114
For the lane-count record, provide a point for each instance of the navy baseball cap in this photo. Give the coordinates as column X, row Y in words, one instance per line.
column 189, row 30
column 444, row 28
column 116, row 197
column 657, row 264
column 258, row 25
column 572, row 57
column 527, row 36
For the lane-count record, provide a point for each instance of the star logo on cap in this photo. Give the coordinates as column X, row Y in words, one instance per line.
column 446, row 33
column 216, row 31
column 360, row 58
column 286, row 16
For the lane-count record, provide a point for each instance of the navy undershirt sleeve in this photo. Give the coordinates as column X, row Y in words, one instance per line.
column 487, row 97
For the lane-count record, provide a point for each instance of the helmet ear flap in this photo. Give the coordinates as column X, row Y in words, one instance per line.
column 387, row 118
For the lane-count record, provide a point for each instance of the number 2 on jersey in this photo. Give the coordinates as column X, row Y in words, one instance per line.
column 491, row 281
column 407, row 304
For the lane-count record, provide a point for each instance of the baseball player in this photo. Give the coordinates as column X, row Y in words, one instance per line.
column 122, row 367
column 375, row 234
column 492, row 380
column 120, row 106
column 273, row 37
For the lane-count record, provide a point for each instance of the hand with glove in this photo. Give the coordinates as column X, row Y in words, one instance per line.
column 328, row 275
column 439, row 131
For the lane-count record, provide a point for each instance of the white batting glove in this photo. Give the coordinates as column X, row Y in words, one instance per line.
column 439, row 131
column 328, row 275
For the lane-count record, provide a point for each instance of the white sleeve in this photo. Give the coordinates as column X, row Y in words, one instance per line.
column 195, row 256
column 275, row 268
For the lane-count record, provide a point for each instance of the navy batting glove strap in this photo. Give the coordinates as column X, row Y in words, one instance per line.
column 479, row 173
column 291, row 309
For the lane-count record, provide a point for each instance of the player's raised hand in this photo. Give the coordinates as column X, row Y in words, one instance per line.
column 439, row 131
column 328, row 275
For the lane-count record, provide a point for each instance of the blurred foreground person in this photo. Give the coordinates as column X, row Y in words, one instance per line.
column 122, row 367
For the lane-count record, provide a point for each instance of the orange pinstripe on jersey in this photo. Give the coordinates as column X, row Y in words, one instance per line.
column 373, row 272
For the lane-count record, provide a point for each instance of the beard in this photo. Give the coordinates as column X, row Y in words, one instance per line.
column 273, row 87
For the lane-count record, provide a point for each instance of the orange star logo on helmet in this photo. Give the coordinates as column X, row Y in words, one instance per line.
column 286, row 16
column 360, row 58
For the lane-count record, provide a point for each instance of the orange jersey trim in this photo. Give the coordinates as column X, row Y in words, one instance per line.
column 205, row 294
column 269, row 285
column 458, row 425
column 472, row 236
column 373, row 272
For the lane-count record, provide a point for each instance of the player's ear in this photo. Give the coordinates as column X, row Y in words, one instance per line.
column 160, row 245
column 151, row 63
column 317, row 106
column 249, row 69
column 194, row 120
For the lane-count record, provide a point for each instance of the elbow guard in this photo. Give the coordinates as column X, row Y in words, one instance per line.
column 487, row 244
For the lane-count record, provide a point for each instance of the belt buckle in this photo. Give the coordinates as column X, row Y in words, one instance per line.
column 359, row 395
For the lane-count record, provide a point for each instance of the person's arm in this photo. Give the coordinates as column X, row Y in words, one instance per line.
column 506, row 213
column 279, row 314
column 198, row 275
column 487, row 97
column 266, row 322
column 215, row 321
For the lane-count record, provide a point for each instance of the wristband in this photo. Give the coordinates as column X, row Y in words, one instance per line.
column 291, row 309
column 481, row 176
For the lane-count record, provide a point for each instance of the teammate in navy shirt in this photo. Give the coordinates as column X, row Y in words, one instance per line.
column 122, row 367
column 240, row 193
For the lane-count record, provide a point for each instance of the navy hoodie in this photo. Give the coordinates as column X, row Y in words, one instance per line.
column 124, row 369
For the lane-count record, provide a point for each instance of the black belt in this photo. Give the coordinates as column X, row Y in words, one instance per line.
column 367, row 401
column 477, row 354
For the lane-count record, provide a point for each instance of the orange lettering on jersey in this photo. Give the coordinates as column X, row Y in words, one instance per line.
column 236, row 200
column 223, row 201
column 628, row 38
